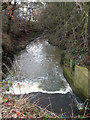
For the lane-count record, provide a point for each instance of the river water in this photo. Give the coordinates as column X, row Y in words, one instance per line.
column 37, row 69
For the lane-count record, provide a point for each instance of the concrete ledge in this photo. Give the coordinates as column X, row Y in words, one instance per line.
column 81, row 79
column 77, row 79
column 82, row 69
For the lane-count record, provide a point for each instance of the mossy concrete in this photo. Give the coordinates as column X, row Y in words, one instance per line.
column 77, row 79
column 81, row 80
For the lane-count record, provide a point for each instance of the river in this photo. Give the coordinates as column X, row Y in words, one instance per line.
column 37, row 69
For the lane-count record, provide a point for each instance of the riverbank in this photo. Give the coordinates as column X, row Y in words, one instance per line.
column 12, row 46
column 78, row 79
column 46, row 75
column 75, row 69
column 43, row 105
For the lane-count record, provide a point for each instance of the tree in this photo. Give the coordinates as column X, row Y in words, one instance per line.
column 11, row 8
column 68, row 21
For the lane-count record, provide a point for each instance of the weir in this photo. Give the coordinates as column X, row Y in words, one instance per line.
column 37, row 69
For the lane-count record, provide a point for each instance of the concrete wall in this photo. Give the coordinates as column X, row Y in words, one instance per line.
column 77, row 79
column 81, row 79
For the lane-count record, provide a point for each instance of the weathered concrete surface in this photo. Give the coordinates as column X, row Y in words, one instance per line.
column 78, row 80
column 81, row 80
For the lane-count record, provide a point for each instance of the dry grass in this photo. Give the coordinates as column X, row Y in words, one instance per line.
column 21, row 107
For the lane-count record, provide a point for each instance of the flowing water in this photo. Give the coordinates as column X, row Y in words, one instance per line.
column 37, row 69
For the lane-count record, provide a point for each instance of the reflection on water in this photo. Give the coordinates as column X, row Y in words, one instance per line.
column 40, row 70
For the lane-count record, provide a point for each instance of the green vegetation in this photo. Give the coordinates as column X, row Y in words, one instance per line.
column 62, row 57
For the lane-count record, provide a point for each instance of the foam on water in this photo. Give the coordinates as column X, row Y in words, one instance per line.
column 26, row 87
column 40, row 70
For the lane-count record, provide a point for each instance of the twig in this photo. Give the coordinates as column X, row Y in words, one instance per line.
column 47, row 111
column 50, row 103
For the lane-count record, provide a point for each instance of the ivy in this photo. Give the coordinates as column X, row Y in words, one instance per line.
column 73, row 65
column 62, row 57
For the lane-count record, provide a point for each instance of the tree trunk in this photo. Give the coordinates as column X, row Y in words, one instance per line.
column 9, row 25
column 10, row 19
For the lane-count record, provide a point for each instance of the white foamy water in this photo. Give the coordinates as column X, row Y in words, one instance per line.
column 26, row 87
column 40, row 70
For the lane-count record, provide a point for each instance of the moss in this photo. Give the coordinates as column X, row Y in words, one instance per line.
column 83, row 70
column 78, row 80
column 68, row 75
column 81, row 80
column 62, row 57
